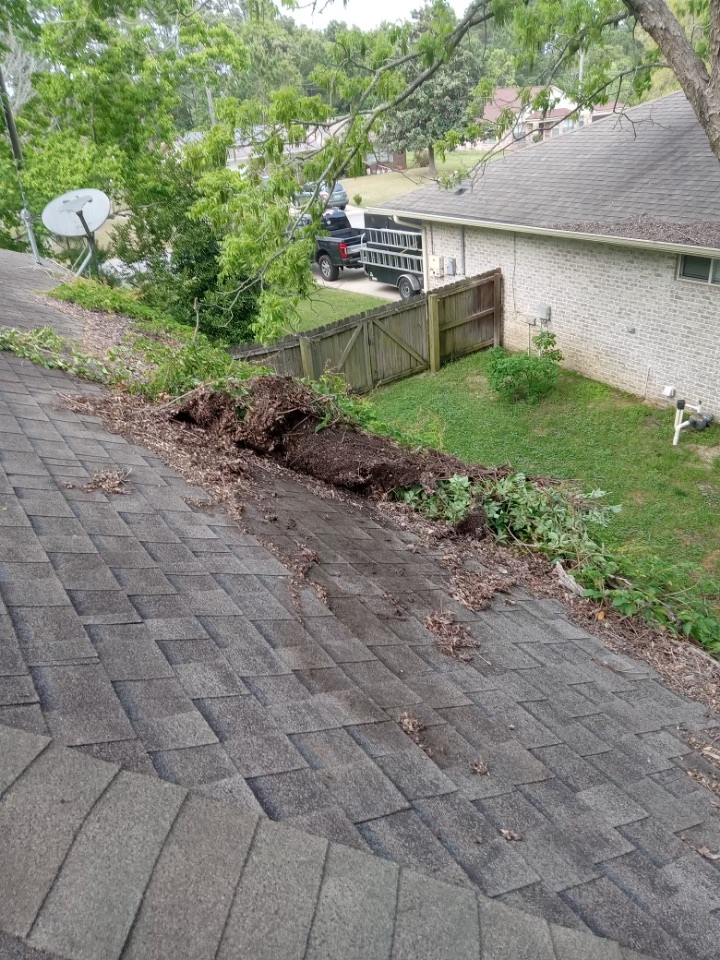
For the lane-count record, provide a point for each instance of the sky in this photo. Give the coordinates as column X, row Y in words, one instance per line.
column 362, row 13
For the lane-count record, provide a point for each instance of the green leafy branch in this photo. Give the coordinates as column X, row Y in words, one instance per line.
column 559, row 521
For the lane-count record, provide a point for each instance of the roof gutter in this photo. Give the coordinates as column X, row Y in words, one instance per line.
column 655, row 245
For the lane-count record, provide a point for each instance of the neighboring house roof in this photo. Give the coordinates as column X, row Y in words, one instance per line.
column 316, row 138
column 192, row 136
column 647, row 174
column 557, row 113
column 506, row 98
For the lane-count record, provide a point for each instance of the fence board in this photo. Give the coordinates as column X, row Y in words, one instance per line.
column 392, row 342
column 468, row 316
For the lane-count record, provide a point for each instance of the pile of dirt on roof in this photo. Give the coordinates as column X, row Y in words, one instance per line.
column 645, row 227
column 281, row 418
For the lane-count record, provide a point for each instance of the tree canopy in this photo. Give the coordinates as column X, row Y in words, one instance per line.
column 110, row 86
column 437, row 107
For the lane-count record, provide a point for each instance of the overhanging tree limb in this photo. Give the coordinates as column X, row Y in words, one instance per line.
column 699, row 84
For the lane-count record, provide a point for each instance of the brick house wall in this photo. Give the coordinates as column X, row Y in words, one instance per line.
column 599, row 293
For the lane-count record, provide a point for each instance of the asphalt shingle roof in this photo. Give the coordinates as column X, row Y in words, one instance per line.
column 650, row 168
column 154, row 660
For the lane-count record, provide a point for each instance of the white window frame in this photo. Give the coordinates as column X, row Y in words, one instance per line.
column 707, row 283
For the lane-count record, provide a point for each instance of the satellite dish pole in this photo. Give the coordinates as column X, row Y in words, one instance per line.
column 78, row 213
column 16, row 148
column 75, row 205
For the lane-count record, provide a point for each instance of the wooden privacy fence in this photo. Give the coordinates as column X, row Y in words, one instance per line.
column 396, row 341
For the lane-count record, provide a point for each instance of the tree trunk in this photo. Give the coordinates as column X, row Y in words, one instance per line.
column 431, row 159
column 700, row 86
column 10, row 122
column 211, row 105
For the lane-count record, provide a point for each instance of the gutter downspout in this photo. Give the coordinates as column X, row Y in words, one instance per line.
column 426, row 255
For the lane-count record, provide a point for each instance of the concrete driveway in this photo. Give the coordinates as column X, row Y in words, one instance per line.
column 356, row 281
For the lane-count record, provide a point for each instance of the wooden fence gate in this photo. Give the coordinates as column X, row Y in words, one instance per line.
column 393, row 341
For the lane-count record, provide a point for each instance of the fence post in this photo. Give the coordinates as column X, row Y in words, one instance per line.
column 433, row 315
column 498, row 304
column 308, row 358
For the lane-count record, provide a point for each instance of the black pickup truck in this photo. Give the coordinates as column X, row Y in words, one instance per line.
column 338, row 247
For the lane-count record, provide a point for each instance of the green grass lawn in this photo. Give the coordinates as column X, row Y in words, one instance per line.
column 377, row 189
column 327, row 305
column 586, row 431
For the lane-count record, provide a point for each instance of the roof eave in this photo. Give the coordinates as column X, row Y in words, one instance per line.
column 658, row 246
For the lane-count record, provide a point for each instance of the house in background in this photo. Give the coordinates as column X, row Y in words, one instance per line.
column 376, row 161
column 244, row 148
column 383, row 161
column 616, row 228
column 532, row 125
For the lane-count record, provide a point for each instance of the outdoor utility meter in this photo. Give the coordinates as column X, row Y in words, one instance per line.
column 543, row 312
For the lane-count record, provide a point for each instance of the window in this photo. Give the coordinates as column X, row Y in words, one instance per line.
column 702, row 269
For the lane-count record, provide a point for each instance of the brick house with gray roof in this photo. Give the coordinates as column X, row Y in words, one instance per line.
column 616, row 227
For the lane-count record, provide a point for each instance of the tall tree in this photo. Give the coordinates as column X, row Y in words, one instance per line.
column 437, row 106
column 694, row 61
column 105, row 104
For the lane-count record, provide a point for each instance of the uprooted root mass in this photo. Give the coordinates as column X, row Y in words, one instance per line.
column 283, row 419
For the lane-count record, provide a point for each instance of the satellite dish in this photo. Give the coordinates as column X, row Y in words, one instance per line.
column 63, row 216
column 78, row 213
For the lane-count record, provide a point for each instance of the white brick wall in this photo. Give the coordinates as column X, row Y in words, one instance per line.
column 597, row 292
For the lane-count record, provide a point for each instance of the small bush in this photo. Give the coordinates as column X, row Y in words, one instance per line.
column 191, row 276
column 560, row 522
column 521, row 376
column 551, row 519
column 357, row 200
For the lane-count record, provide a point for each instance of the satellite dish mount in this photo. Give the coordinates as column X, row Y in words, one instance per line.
column 78, row 213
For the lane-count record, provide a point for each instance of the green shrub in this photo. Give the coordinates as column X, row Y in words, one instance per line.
column 357, row 200
column 522, row 376
column 558, row 521
column 91, row 295
column 178, row 257
column 189, row 276
column 552, row 519
column 452, row 499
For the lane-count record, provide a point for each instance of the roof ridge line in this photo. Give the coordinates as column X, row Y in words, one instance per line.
column 149, row 842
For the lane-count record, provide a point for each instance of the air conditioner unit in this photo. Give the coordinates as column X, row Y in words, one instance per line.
column 437, row 266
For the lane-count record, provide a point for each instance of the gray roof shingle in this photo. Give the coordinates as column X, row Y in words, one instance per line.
column 647, row 173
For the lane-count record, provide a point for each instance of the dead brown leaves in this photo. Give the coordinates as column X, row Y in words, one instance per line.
column 705, row 780
column 708, row 750
column 109, row 481
column 476, row 590
column 453, row 639
column 412, row 727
